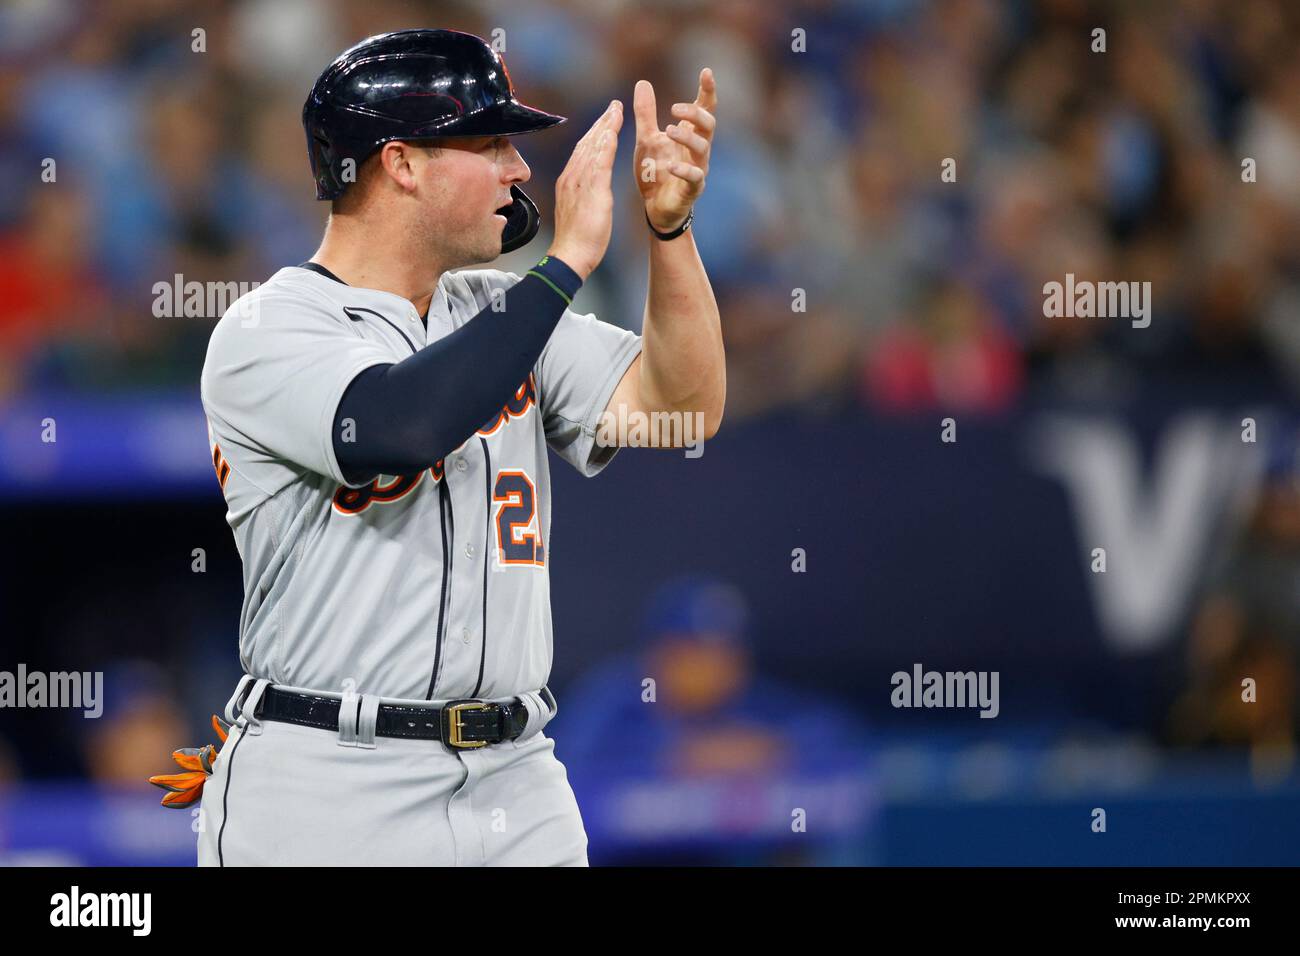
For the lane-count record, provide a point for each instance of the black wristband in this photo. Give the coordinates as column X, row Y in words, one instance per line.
column 665, row 236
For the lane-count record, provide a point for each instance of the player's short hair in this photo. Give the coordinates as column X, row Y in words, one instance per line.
column 354, row 196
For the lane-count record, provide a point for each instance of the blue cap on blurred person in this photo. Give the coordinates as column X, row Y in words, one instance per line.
column 697, row 606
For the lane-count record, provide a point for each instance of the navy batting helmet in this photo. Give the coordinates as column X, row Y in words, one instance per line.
column 416, row 85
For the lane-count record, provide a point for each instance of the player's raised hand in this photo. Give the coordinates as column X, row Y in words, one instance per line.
column 671, row 164
column 584, row 202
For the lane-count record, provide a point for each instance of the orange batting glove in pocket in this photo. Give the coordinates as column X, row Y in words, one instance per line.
column 183, row 789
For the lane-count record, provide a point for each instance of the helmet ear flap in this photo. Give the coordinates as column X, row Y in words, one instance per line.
column 522, row 221
column 324, row 166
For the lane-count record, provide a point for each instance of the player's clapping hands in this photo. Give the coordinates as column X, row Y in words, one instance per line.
column 584, row 202
column 671, row 164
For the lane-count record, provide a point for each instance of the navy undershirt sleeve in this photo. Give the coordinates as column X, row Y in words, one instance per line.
column 407, row 416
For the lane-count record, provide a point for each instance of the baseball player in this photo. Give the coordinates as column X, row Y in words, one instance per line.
column 379, row 425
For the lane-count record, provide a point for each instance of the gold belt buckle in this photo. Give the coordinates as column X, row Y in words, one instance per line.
column 455, row 724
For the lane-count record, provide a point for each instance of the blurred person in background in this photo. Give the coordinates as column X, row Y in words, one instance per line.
column 1248, row 627
column 711, row 712
column 18, row 156
column 688, row 717
column 954, row 355
column 287, row 220
column 50, row 287
column 142, row 718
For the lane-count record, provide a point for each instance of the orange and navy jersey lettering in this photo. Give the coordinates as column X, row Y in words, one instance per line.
column 221, row 466
column 356, row 500
column 515, row 493
column 525, row 397
column 353, row 501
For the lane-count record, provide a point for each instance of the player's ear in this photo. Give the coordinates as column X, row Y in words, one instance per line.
column 401, row 162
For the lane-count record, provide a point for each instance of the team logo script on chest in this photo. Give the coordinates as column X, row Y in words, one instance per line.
column 356, row 500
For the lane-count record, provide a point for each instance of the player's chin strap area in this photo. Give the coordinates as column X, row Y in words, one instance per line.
column 522, row 221
column 358, row 719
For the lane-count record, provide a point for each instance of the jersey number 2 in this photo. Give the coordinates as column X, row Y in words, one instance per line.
column 516, row 544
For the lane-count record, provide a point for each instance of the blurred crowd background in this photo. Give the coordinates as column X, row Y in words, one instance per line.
column 863, row 298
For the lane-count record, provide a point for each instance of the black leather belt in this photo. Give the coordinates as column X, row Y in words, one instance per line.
column 461, row 724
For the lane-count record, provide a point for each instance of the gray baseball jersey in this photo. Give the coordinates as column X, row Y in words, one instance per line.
column 426, row 586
